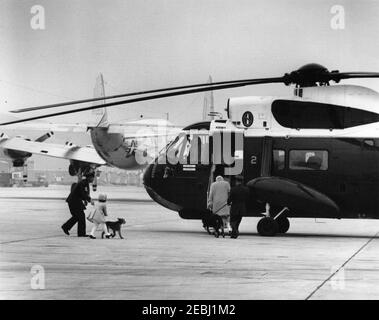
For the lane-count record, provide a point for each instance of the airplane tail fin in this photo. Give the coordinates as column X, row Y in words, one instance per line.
column 98, row 92
column 208, row 105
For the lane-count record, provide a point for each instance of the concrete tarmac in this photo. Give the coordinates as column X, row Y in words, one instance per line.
column 165, row 257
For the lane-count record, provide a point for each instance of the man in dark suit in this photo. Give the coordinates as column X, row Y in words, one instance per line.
column 238, row 196
column 77, row 202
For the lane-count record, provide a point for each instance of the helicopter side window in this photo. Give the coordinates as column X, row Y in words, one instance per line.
column 308, row 160
column 278, row 157
column 314, row 115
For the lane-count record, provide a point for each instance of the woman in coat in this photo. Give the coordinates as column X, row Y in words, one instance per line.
column 218, row 198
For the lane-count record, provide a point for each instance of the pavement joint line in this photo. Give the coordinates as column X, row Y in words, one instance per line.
column 342, row 266
column 29, row 239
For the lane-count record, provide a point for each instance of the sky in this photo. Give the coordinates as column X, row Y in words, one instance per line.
column 148, row 44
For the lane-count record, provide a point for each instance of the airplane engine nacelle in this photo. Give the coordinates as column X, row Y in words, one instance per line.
column 81, row 168
column 77, row 167
column 18, row 163
column 73, row 169
column 18, row 157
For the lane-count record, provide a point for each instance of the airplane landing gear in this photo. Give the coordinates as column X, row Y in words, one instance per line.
column 269, row 226
column 80, row 169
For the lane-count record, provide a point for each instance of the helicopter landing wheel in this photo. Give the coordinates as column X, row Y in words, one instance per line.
column 267, row 227
column 283, row 224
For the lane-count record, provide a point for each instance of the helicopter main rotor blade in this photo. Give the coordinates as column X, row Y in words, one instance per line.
column 352, row 75
column 209, row 87
column 308, row 75
column 124, row 95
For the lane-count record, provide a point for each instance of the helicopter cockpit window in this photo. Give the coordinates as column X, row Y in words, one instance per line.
column 188, row 148
column 175, row 148
column 278, row 157
column 308, row 160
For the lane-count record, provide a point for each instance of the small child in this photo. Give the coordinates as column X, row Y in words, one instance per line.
column 98, row 216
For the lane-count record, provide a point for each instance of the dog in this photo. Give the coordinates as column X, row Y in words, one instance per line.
column 114, row 226
column 211, row 220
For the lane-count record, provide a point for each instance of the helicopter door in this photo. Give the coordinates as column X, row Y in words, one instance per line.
column 192, row 173
column 227, row 155
column 369, row 177
column 266, row 157
column 258, row 157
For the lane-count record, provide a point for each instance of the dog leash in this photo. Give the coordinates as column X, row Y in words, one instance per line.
column 221, row 208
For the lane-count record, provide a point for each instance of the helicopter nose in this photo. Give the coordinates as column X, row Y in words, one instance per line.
column 147, row 176
column 158, row 188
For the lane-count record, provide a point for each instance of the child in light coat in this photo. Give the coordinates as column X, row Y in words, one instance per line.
column 98, row 216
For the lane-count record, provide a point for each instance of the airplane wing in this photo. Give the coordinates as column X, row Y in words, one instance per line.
column 69, row 152
column 169, row 136
column 145, row 128
column 48, row 126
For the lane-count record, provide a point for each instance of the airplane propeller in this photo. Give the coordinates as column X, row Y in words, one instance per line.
column 308, row 75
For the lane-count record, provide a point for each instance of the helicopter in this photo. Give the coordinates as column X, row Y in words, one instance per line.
column 311, row 154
